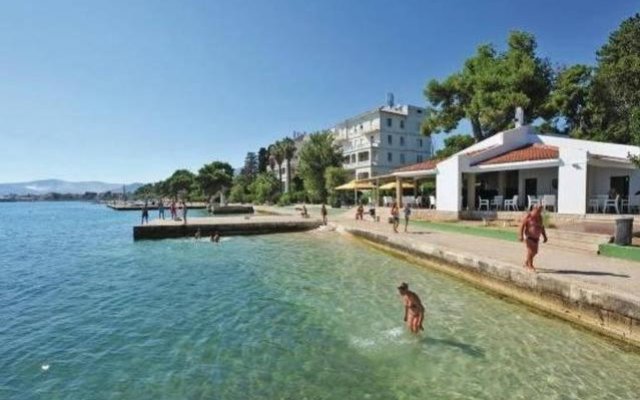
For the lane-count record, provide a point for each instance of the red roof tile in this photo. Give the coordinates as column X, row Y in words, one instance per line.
column 425, row 165
column 530, row 152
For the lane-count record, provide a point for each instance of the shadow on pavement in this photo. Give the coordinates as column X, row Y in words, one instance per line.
column 576, row 272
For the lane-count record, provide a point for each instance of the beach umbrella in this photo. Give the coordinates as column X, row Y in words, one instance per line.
column 392, row 186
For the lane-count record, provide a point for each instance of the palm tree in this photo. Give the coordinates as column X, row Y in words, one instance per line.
column 276, row 151
column 288, row 147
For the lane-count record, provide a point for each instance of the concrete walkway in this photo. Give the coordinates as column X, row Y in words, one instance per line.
column 563, row 264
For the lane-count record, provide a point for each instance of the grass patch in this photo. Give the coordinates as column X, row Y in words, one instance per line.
column 631, row 253
column 493, row 233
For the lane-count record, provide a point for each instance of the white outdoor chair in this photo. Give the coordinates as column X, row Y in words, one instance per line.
column 612, row 203
column 511, row 203
column 418, row 201
column 594, row 205
column 432, row 201
column 483, row 203
column 624, row 205
column 497, row 202
column 532, row 201
column 549, row 200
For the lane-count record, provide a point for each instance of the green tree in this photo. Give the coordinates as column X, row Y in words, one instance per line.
column 214, row 177
column 453, row 145
column 616, row 90
column 489, row 88
column 181, row 181
column 316, row 155
column 250, row 168
column 568, row 102
column 276, row 154
column 265, row 188
column 263, row 160
column 239, row 192
column 334, row 177
column 288, row 148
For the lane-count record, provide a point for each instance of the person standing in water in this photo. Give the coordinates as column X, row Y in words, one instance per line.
column 413, row 308
column 198, row 234
column 531, row 229
column 215, row 238
column 323, row 212
column 407, row 214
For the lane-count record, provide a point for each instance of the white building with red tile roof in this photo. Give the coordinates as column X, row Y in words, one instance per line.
column 524, row 167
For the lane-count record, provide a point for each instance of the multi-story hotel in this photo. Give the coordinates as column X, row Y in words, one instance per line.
column 383, row 139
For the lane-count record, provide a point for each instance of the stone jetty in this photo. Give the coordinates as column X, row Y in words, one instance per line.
column 120, row 206
column 226, row 226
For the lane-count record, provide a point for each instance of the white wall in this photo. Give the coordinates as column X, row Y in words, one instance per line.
column 449, row 184
column 572, row 181
column 545, row 177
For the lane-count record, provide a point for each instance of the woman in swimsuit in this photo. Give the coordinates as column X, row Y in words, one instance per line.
column 395, row 214
column 413, row 309
column 531, row 229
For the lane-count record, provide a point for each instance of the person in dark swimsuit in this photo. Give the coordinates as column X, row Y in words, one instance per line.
column 145, row 214
column 531, row 229
column 323, row 212
column 395, row 215
column 413, row 309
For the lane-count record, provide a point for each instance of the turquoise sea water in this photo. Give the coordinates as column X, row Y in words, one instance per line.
column 299, row 316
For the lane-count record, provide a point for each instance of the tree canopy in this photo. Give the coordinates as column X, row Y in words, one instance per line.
column 453, row 145
column 489, row 87
column 316, row 155
column 214, row 177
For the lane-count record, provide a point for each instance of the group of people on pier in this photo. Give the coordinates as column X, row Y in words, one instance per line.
column 173, row 209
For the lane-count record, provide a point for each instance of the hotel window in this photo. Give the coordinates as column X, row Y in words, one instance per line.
column 389, row 139
column 419, row 158
column 419, row 142
column 389, row 157
column 401, row 124
column 353, row 158
column 346, row 160
column 389, row 122
column 401, row 158
column 401, row 140
column 364, row 156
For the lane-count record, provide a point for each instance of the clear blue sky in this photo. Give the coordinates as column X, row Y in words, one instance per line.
column 126, row 91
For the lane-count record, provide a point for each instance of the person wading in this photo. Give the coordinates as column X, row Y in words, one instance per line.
column 531, row 229
column 413, row 308
column 395, row 216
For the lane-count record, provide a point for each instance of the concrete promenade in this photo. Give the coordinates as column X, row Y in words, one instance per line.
column 600, row 293
column 250, row 225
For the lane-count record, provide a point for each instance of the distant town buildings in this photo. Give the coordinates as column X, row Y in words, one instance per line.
column 380, row 140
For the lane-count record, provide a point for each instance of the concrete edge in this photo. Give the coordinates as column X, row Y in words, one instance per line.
column 614, row 315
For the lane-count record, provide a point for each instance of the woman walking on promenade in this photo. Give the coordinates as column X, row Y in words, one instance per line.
column 395, row 215
column 172, row 209
column 407, row 214
column 531, row 229
column 413, row 308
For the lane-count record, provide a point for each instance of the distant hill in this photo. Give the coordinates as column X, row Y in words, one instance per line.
column 64, row 187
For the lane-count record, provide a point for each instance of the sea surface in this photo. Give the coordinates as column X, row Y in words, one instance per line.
column 86, row 313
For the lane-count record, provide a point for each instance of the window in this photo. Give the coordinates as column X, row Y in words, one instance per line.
column 401, row 124
column 353, row 158
column 389, row 122
column 419, row 111
column 389, row 157
column 364, row 156
column 362, row 175
column 401, row 140
column 371, row 138
column 419, row 142
column 389, row 139
column 401, row 158
column 346, row 160
column 419, row 158
column 360, row 126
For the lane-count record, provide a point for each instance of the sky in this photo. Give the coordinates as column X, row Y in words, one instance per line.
column 129, row 91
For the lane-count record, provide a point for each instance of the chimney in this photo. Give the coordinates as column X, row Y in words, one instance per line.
column 519, row 120
column 390, row 101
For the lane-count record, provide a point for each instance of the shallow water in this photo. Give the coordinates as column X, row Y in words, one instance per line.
column 296, row 316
